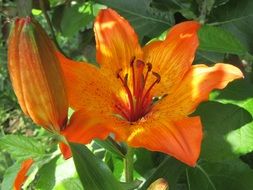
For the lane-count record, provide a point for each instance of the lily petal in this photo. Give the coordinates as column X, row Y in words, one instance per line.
column 173, row 57
column 85, row 126
column 170, row 137
column 87, row 87
column 65, row 150
column 22, row 174
column 196, row 86
column 116, row 41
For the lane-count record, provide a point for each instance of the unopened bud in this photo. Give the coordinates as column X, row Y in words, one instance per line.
column 36, row 75
column 159, row 184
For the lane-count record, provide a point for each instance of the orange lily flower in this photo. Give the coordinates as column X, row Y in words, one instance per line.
column 143, row 95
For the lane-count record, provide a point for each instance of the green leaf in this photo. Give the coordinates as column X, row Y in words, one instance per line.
column 21, row 147
column 47, row 181
column 144, row 161
column 115, row 164
column 93, row 172
column 146, row 21
column 232, row 175
column 69, row 183
column 208, row 57
column 236, row 17
column 10, row 176
column 216, row 39
column 218, row 121
column 76, row 17
column 110, row 145
column 241, row 140
column 170, row 169
column 185, row 7
column 239, row 93
column 232, row 11
column 132, row 185
column 57, row 177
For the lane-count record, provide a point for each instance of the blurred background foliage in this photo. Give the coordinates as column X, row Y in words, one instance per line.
column 226, row 160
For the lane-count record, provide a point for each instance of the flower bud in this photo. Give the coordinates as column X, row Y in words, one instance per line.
column 36, row 75
column 159, row 184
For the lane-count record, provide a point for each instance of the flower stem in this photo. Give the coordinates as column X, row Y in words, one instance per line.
column 128, row 165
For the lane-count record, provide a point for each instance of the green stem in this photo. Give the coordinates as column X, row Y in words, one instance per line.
column 203, row 12
column 129, row 165
column 43, row 8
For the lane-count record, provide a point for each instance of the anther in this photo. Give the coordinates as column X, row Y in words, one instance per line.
column 132, row 61
column 125, row 79
column 149, row 65
column 118, row 73
column 158, row 77
column 140, row 63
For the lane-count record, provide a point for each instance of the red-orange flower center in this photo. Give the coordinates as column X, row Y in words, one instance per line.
column 140, row 100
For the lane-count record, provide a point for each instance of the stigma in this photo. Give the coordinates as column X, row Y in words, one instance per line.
column 138, row 92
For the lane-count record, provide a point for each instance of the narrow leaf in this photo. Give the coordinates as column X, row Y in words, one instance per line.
column 110, row 145
column 93, row 172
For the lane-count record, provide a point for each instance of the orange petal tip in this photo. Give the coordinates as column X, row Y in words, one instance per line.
column 22, row 174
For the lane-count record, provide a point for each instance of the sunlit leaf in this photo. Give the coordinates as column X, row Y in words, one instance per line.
column 21, row 147
column 218, row 121
column 216, row 39
column 239, row 93
column 76, row 17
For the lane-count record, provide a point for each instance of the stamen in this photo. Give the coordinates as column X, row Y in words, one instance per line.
column 139, row 100
column 149, row 67
column 123, row 111
column 132, row 61
column 158, row 79
column 132, row 68
column 119, row 77
column 125, row 79
column 139, row 79
column 129, row 94
column 118, row 73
